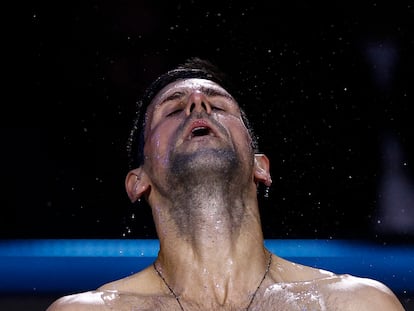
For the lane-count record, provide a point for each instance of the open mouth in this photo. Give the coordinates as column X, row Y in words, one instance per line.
column 199, row 128
column 200, row 131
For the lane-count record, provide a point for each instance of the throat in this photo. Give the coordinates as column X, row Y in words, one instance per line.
column 208, row 195
column 213, row 211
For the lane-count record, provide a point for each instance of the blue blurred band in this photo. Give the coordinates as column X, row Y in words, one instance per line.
column 67, row 266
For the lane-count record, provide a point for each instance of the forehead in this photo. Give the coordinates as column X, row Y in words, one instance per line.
column 187, row 85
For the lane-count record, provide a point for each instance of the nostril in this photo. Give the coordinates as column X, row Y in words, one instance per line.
column 202, row 104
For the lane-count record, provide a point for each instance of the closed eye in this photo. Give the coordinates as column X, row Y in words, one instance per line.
column 174, row 112
column 216, row 108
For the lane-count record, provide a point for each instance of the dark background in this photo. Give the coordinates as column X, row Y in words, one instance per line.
column 329, row 88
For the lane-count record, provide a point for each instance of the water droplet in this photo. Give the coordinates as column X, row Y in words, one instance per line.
column 266, row 194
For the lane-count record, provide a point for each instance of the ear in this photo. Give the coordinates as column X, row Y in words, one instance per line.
column 136, row 184
column 261, row 169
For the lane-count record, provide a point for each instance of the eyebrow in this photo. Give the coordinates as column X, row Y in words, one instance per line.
column 215, row 92
column 208, row 91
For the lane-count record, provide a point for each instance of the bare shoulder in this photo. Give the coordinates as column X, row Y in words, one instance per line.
column 294, row 272
column 333, row 291
column 117, row 292
column 91, row 300
column 356, row 293
column 144, row 282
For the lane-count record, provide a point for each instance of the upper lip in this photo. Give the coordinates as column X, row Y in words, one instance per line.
column 199, row 125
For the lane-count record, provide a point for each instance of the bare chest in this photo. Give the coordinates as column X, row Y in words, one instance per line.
column 275, row 297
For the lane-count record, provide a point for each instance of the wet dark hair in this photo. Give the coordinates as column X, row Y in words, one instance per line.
column 192, row 68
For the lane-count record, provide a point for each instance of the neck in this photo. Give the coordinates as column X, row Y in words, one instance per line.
column 208, row 213
column 220, row 252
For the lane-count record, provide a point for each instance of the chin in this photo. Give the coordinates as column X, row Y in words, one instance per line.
column 208, row 160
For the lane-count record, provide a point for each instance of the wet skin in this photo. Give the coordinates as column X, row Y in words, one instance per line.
column 182, row 108
column 309, row 289
column 208, row 224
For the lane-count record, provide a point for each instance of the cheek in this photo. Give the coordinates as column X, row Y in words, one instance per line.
column 238, row 132
column 156, row 148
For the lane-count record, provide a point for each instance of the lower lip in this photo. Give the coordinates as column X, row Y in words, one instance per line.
column 198, row 138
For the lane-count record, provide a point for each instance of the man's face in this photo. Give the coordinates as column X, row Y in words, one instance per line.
column 197, row 119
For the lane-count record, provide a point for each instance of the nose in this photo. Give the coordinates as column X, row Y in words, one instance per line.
column 197, row 102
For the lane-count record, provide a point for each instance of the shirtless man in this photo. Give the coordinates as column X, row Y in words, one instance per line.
column 198, row 168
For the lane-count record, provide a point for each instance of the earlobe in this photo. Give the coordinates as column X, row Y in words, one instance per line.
column 261, row 169
column 136, row 184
